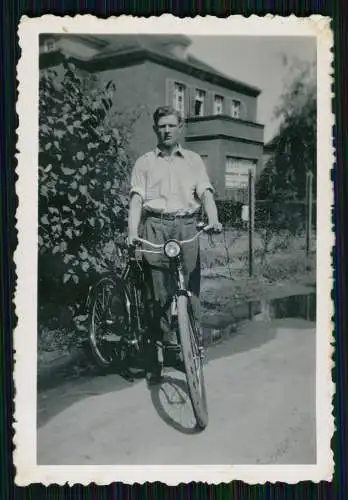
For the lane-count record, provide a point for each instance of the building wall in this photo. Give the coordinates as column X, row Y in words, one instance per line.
column 239, row 150
column 134, row 95
column 147, row 85
column 161, row 79
column 215, row 153
column 224, row 126
column 143, row 87
column 209, row 151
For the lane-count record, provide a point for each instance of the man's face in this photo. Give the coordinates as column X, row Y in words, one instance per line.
column 168, row 130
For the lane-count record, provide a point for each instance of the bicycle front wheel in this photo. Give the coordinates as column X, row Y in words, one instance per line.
column 108, row 319
column 190, row 345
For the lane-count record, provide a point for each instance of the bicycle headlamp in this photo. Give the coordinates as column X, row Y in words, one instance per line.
column 172, row 249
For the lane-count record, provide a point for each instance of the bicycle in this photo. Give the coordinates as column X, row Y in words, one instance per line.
column 127, row 323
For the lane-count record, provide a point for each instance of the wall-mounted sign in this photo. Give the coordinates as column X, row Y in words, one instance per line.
column 237, row 172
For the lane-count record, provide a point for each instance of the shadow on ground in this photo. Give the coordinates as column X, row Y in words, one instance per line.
column 170, row 398
column 172, row 403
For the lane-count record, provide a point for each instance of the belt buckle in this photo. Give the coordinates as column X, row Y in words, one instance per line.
column 181, row 215
column 173, row 217
column 167, row 216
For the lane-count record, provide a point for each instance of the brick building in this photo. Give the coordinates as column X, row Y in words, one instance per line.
column 151, row 70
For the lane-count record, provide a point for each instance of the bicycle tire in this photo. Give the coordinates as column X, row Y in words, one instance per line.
column 193, row 362
column 103, row 317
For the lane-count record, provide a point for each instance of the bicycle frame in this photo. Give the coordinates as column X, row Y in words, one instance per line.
column 133, row 274
column 176, row 262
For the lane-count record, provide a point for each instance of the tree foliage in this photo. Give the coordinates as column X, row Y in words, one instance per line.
column 83, row 179
column 284, row 177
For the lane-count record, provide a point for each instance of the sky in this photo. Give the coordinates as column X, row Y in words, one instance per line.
column 259, row 61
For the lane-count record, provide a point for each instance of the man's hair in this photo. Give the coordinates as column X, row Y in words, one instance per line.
column 165, row 111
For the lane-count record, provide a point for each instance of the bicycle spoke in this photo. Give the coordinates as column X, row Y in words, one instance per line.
column 190, row 342
column 97, row 309
column 109, row 320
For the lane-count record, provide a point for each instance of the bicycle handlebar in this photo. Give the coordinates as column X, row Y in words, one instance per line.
column 200, row 227
column 161, row 245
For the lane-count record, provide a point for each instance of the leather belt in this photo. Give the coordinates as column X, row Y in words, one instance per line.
column 169, row 216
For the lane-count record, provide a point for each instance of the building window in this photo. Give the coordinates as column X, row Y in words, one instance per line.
column 179, row 98
column 199, row 102
column 235, row 108
column 49, row 45
column 237, row 175
column 218, row 104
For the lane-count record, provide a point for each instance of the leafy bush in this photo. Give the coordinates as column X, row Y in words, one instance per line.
column 230, row 212
column 83, row 183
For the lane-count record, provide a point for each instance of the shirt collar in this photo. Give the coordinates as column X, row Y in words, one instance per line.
column 178, row 150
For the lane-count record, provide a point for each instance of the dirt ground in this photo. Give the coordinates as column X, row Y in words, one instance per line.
column 261, row 396
column 260, row 384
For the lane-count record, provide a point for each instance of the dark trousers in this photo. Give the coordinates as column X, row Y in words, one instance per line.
column 159, row 278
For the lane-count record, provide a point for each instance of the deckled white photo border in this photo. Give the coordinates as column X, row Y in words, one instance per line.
column 25, row 335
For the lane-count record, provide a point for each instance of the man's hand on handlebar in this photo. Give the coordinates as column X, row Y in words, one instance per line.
column 213, row 227
column 132, row 240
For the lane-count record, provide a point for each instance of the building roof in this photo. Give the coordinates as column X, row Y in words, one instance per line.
column 206, row 67
column 160, row 45
column 123, row 50
column 131, row 42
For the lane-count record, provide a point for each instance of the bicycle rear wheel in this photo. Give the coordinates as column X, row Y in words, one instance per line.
column 193, row 361
column 108, row 319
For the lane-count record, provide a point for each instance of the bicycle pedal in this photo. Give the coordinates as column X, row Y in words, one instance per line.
column 172, row 347
column 127, row 375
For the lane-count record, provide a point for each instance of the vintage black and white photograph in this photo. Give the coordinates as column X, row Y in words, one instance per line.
column 180, row 310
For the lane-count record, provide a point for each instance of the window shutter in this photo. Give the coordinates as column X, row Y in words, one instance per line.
column 190, row 101
column 244, row 110
column 169, row 91
column 209, row 111
column 228, row 106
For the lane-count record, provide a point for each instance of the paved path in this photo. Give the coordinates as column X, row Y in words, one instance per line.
column 261, row 395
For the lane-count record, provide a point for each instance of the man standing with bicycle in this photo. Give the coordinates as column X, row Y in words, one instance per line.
column 168, row 187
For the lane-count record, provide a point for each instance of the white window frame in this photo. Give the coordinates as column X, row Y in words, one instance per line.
column 221, row 100
column 236, row 112
column 200, row 96
column 238, row 162
column 182, row 89
column 49, row 45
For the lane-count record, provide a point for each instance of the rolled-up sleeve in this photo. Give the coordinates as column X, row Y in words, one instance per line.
column 202, row 180
column 138, row 178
